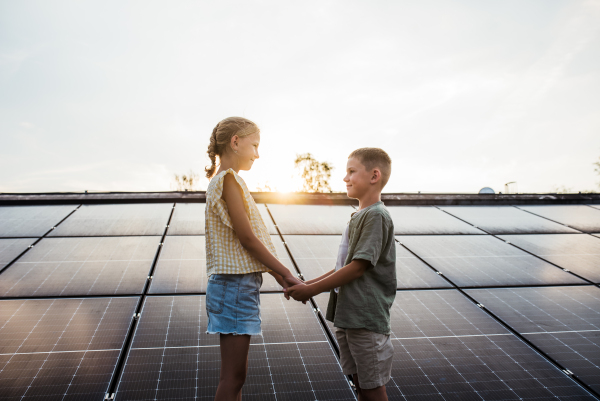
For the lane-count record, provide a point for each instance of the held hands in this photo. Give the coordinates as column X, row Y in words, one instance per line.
column 301, row 292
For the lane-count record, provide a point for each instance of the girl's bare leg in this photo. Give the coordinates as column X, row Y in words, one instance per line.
column 234, row 366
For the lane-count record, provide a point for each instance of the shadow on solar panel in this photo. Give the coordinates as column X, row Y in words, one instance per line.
column 172, row 355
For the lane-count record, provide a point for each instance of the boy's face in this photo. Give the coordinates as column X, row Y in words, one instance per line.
column 357, row 179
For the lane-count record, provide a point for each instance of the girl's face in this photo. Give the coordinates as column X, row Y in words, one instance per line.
column 247, row 149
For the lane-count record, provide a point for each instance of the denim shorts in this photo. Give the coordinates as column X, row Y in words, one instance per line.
column 233, row 303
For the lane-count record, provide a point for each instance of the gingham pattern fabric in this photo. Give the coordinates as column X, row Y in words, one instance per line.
column 224, row 252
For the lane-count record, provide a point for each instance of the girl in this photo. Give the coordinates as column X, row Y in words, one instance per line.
column 238, row 251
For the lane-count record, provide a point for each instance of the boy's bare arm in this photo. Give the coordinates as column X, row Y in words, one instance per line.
column 232, row 195
column 346, row 274
column 314, row 280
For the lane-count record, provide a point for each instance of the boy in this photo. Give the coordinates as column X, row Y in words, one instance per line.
column 363, row 283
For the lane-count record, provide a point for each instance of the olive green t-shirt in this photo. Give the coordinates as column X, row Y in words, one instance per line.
column 365, row 303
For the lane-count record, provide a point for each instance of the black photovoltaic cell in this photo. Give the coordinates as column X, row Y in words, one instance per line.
column 31, row 221
column 564, row 322
column 482, row 260
column 311, row 219
column 580, row 217
column 267, row 218
column 81, row 266
column 63, row 349
column 317, row 254
column 181, row 267
column 139, row 219
column 172, row 356
column 11, row 248
column 188, row 219
column 579, row 253
column 427, row 220
column 506, row 220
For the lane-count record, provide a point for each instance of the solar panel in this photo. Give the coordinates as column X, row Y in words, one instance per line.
column 579, row 253
column 31, row 221
column 311, row 219
column 11, row 248
column 61, row 348
column 267, row 218
column 181, row 267
column 81, row 266
column 427, row 220
column 188, row 219
column 172, row 356
column 482, row 260
column 139, row 219
column 505, row 220
column 580, row 217
column 413, row 273
column 448, row 348
column 564, row 322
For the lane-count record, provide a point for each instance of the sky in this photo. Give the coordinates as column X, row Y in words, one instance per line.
column 122, row 95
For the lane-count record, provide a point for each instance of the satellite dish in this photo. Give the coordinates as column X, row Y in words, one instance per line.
column 486, row 190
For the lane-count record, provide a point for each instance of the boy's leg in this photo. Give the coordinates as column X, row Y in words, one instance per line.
column 234, row 366
column 373, row 354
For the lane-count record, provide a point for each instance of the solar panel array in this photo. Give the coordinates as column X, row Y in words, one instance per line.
column 107, row 302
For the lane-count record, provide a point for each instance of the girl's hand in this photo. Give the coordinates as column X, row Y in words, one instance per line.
column 301, row 292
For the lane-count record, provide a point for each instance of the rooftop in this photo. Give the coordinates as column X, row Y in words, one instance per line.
column 102, row 295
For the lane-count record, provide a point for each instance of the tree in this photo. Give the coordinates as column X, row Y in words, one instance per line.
column 189, row 182
column 315, row 174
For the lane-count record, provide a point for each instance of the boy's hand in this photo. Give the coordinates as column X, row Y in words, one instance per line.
column 287, row 282
column 301, row 292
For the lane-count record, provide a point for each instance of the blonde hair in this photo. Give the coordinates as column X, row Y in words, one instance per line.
column 375, row 157
column 221, row 137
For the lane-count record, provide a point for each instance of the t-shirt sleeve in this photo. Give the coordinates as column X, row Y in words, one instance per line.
column 370, row 243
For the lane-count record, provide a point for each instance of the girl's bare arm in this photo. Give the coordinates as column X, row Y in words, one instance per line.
column 233, row 197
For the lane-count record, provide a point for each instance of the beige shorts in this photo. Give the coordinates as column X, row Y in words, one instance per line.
column 367, row 354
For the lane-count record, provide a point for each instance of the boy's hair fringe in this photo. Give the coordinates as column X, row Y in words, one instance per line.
column 375, row 157
column 221, row 137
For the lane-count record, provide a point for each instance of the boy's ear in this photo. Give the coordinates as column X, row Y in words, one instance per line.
column 375, row 176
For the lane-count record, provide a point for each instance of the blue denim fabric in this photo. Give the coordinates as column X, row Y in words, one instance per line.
column 233, row 303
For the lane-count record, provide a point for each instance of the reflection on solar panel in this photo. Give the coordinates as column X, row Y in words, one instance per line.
column 181, row 267
column 267, row 218
column 11, row 248
column 141, row 219
column 564, row 322
column 480, row 261
column 412, row 273
column 427, row 220
column 579, row 253
column 61, row 348
column 172, row 354
column 580, row 217
column 31, row 221
column 188, row 219
column 311, row 219
column 314, row 254
column 505, row 220
column 81, row 266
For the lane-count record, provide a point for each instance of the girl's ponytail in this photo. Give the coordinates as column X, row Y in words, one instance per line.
column 212, row 154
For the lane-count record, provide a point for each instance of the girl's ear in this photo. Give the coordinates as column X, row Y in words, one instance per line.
column 234, row 143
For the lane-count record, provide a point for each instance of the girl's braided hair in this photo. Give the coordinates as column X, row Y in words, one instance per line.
column 221, row 137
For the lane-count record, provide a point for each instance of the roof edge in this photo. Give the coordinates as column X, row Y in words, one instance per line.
column 8, row 199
